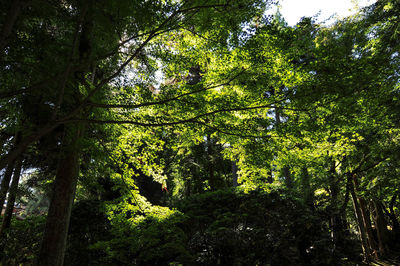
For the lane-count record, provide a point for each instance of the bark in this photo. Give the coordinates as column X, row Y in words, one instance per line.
column 308, row 193
column 11, row 197
column 234, row 174
column 360, row 223
column 392, row 215
column 5, row 183
column 364, row 221
column 336, row 217
column 288, row 177
column 381, row 228
column 368, row 226
column 55, row 236
column 211, row 174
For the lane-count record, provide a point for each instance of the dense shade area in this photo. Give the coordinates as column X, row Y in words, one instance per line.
column 198, row 132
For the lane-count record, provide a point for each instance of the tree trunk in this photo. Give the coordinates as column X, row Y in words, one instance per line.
column 308, row 193
column 5, row 183
column 364, row 221
column 11, row 197
column 367, row 222
column 211, row 174
column 392, row 215
column 363, row 236
column 55, row 236
column 381, row 228
column 336, row 216
column 234, row 174
column 288, row 177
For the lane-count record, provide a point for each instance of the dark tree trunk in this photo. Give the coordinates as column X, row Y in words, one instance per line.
column 337, row 229
column 288, row 177
column 308, row 193
column 381, row 228
column 11, row 197
column 211, row 174
column 55, row 236
column 5, row 183
column 368, row 226
column 234, row 174
column 363, row 217
column 392, row 215
column 363, row 235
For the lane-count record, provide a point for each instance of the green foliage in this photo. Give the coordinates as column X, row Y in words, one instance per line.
column 89, row 225
column 21, row 242
column 152, row 238
column 225, row 226
column 171, row 93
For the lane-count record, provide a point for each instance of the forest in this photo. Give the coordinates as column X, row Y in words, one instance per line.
column 198, row 132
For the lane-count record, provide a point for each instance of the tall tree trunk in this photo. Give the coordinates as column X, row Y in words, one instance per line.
column 364, row 220
column 55, row 235
column 367, row 220
column 361, row 228
column 308, row 193
column 5, row 183
column 368, row 226
column 234, row 174
column 11, row 197
column 336, row 216
column 392, row 215
column 381, row 228
column 211, row 174
column 288, row 177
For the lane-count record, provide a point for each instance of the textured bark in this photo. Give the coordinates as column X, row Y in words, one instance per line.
column 55, row 236
column 11, row 197
column 5, row 183
column 360, row 223
column 364, row 220
column 368, row 226
column 234, row 174
column 392, row 215
column 381, row 228
column 336, row 217
column 211, row 174
column 288, row 177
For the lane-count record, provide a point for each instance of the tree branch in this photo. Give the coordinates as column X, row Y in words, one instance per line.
column 133, row 106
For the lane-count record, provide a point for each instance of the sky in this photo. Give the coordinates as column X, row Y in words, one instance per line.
column 293, row 10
